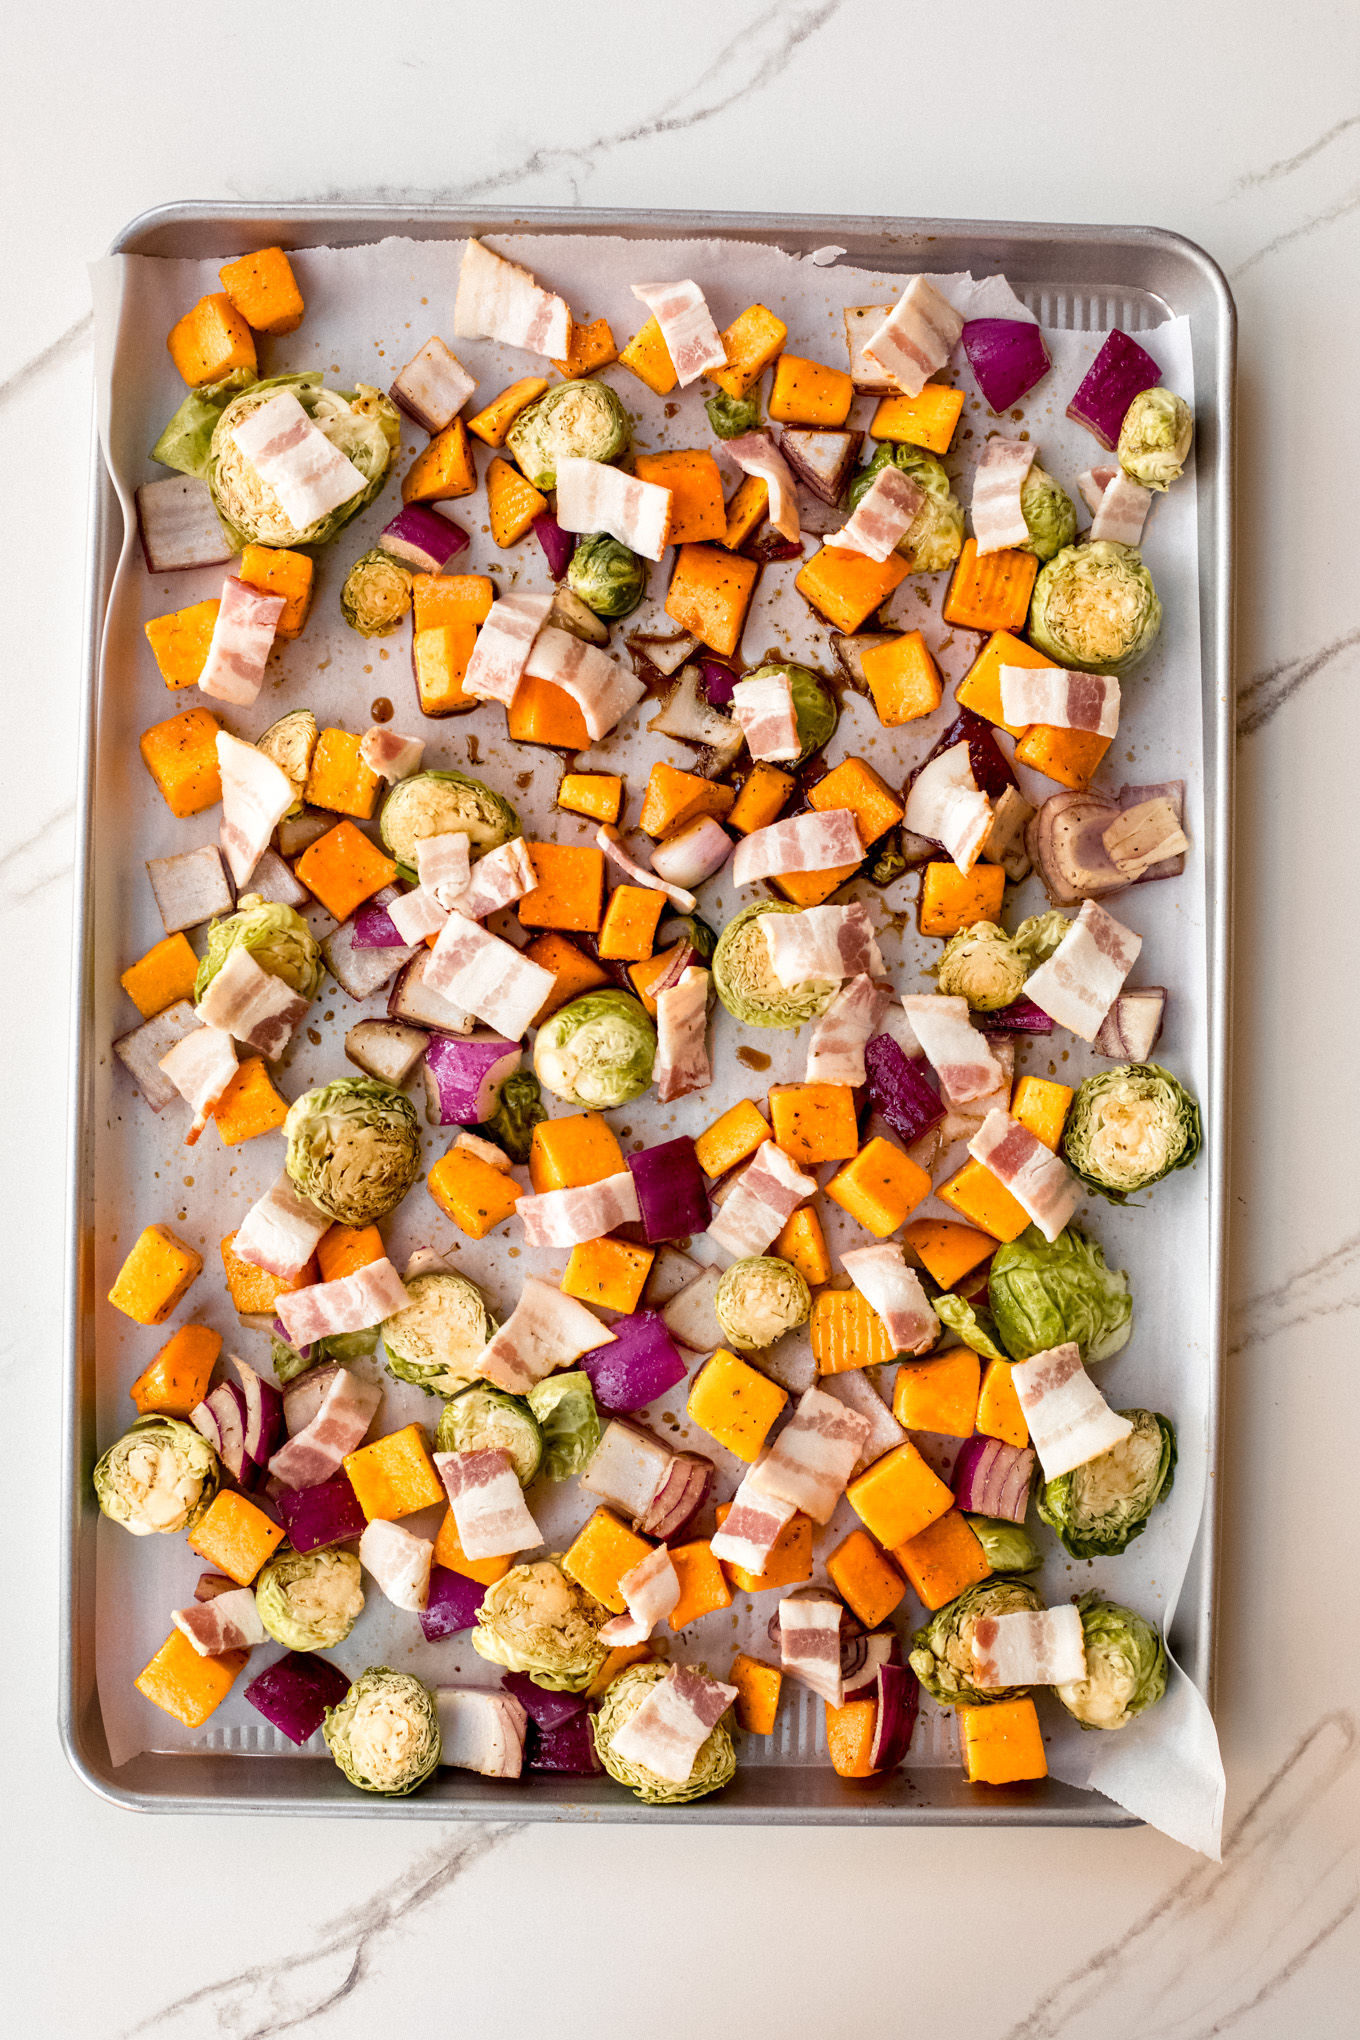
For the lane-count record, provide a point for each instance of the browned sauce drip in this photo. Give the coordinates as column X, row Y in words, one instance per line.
column 382, row 709
column 474, row 754
column 754, row 1058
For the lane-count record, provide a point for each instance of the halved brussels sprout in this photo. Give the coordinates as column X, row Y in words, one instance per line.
column 377, row 594
column 942, row 1650
column 362, row 423
column 579, row 420
column 606, row 576
column 1094, row 608
column 759, row 1299
column 1049, row 513
column 565, row 1407
column 521, row 1109
column 731, row 417
column 340, row 1347
column 934, row 538
column 1126, row 1666
column 988, row 967
column 814, row 705
column 487, row 1419
column 539, row 1622
column 1008, row 1547
column 976, row 1328
column 353, row 1148
column 441, row 804
column 745, row 981
column 1042, row 1294
column 187, row 439
column 289, row 744
column 1129, row 1127
column 437, row 1341
column 384, row 1734
column 1099, row 1508
column 158, row 1477
column 310, row 1600
column 1154, row 439
column 278, row 939
column 714, row 1766
column 597, row 1051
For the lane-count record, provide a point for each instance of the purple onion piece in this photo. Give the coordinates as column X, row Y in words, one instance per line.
column 548, row 1710
column 567, row 1747
column 329, row 1513
column 991, row 768
column 672, row 1193
column 1129, row 1031
column 899, row 1697
column 463, row 1078
column 1022, row 1016
column 263, row 1414
column 423, row 539
column 558, row 545
column 687, row 1486
column 294, row 1692
column 640, row 1365
column 898, row 1090
column 452, row 1605
column 719, row 680
column 992, row 1478
column 1007, row 356
column 374, row 927
column 1121, row 371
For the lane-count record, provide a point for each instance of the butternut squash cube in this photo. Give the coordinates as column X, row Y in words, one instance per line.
column 395, row 1475
column 250, row 1105
column 703, row 1590
column 236, row 1537
column 789, row 1563
column 180, row 641
column 810, row 888
column 597, row 794
column 991, row 593
column 903, row 679
column 176, row 1381
column 898, row 1496
column 850, row 1738
column 604, row 1550
column 343, row 869
column 166, row 973
column 649, row 359
column 710, row 593
column 847, row 1333
column 275, row 571
column 181, row 756
column 806, row 393
column 451, row 598
column 512, row 503
column 338, row 779
column 155, row 1276
column 188, row 1686
column 570, row 888
column 947, row 1251
column 752, row 341
column 673, row 799
column 763, row 794
column 572, row 1153
column 866, row 1581
column 345, row 1249
column 543, row 713
column 574, row 970
column 442, row 470
column 211, row 341
column 492, row 424
column 952, row 899
column 847, row 587
column 1003, row 1743
column 697, row 508
column 939, row 1394
column 449, row 1552
column 980, row 687
column 439, row 660
column 264, row 290
column 814, row 1122
column 628, row 930
column 942, row 1560
column 926, row 420
column 985, row 1201
column 616, row 1662
column 589, row 348
column 253, row 1290
column 610, row 1274
column 999, row 1412
column 881, row 1187
column 735, row 1404
column 1069, row 756
column 476, row 1196
column 1042, row 1107
column 757, row 1701
column 855, row 785
column 735, row 1135
column 802, row 1244
column 746, row 509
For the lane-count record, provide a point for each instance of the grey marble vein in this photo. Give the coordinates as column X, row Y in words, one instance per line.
column 294, row 1990
column 29, row 867
column 1325, row 1288
column 72, row 341
column 1288, row 164
column 1305, row 228
column 1264, row 695
column 1229, row 1937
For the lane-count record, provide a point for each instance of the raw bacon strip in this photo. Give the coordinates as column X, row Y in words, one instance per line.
column 416, row 914
column 445, row 866
column 565, row 1218
column 314, row 1453
column 252, row 1004
column 1092, row 485
column 884, row 514
column 766, row 1194
column 611, row 842
column 487, row 977
column 390, row 756
column 755, row 453
column 594, row 497
column 810, row 1461
column 666, row 1733
column 964, row 1117
column 1030, row 1647
column 545, row 1330
column 764, row 711
column 488, row 1503
column 294, row 458
column 692, row 340
column 243, row 636
column 504, row 875
column 682, row 1063
column 599, row 686
column 894, row 1291
column 280, row 1231
column 256, row 796
column 503, row 645
column 822, row 942
column 1122, row 511
column 399, row 1561
column 998, row 520
column 917, row 337
column 751, row 1528
column 945, row 804
column 810, row 1643
column 652, row 1590
column 961, row 1057
column 1067, row 701
column 433, row 387
column 497, row 300
column 1086, row 972
column 840, row 1037
column 1037, row 1179
column 1069, row 1420
column 857, row 1392
column 231, row 1621
column 811, row 842
column 200, row 1066
column 351, row 1304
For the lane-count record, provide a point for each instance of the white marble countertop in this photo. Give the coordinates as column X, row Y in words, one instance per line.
column 1237, row 126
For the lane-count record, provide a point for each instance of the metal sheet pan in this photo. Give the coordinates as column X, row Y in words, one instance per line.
column 1072, row 276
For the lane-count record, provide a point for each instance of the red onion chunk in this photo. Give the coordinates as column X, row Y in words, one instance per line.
column 899, row 1091
column 1121, row 371
column 1129, row 1031
column 558, row 545
column 463, row 1079
column 545, row 1709
column 899, row 1696
column 694, row 854
column 224, row 1411
column 423, row 539
column 992, row 773
column 1022, row 1016
column 1007, row 356
column 452, row 1605
column 329, row 1513
column 640, row 1365
column 993, row 1479
column 682, row 1493
column 672, row 1193
column 294, row 1692
column 263, row 1413
column 567, row 1746
column 374, row 927
column 719, row 680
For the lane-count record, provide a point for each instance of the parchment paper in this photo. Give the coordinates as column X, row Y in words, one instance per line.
column 368, row 310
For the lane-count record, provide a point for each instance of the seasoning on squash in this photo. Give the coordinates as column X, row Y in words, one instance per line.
column 1003, row 1743
column 758, row 1686
column 710, row 593
column 597, row 794
column 176, row 1381
column 628, row 931
column 850, row 1738
column 512, row 503
column 881, row 1187
column 343, row 869
column 847, row 587
column 181, row 756
column 868, row 1583
column 847, row 1333
column 939, row 1394
column 999, row 1413
column 264, row 290
column 569, row 892
column 735, row 1404
column 763, row 794
column 339, row 780
column 1069, row 756
column 814, row 1122
column 898, row 1496
column 442, row 470
column 806, row 393
column 165, row 974
column 589, row 348
column 980, row 1197
column 476, row 1196
column 942, row 1560
column 947, row 1251
column 235, row 1536
column 180, row 641
column 733, row 1136
column 574, row 970
column 250, row 1105
column 991, row 593
column 926, row 420
column 604, row 1550
column 903, row 679
column 751, row 343
column 952, row 899
column 697, row 508
column 185, row 1685
column 211, row 341
column 649, row 359
column 395, row 1475
column 345, row 1249
column 673, row 799
column 802, row 1244
column 611, row 1274
column 275, row 571
column 746, row 508
column 572, row 1153
column 1042, row 1106
column 492, row 424
column 543, row 713
column 155, row 1276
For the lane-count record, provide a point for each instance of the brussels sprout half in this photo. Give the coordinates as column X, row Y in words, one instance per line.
column 597, row 1051
column 187, row 440
column 1007, row 1547
column 731, row 417
column 1049, row 513
column 1129, row 1127
column 521, row 1109
column 1126, row 1666
column 605, row 575
column 976, row 1328
column 441, row 804
column 579, row 420
column 565, row 1407
column 362, row 423
column 1154, row 439
column 310, row 1600
column 1094, row 607
column 384, row 1734
column 353, row 1148
column 759, row 1299
column 539, row 1622
column 745, row 981
column 988, row 967
column 159, row 1477
column 487, row 1419
column 1099, row 1508
column 377, row 594
column 934, row 538
column 1044, row 1294
column 289, row 744
column 942, row 1650
column 437, row 1341
column 714, row 1766
column 278, row 939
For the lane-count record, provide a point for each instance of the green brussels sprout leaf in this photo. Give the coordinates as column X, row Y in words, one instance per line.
column 1042, row 1295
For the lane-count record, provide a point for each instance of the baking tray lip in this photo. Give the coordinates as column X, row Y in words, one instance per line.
column 901, row 236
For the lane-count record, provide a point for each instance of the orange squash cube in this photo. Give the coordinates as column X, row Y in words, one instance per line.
column 806, row 393
column 926, row 420
column 597, row 794
column 898, row 1496
column 673, row 799
column 1042, row 1107
column 250, row 1105
column 188, row 1686
column 181, row 756
column 814, row 1122
column 850, row 1738
column 253, row 1290
column 492, row 424
column 855, row 785
column 991, row 593
column 570, row 887
column 235, row 1536
column 572, row 1153
column 947, row 1251
column 1002, row 1743
column 610, row 1274
column 471, row 1192
column 703, row 1590
column 589, row 348
column 276, row 572
column 982, row 1198
column 847, row 587
column 338, row 779
column 735, row 1404
column 180, row 641
column 264, row 290
column 881, row 1187
column 211, row 341
column 999, row 1412
column 942, row 1560
column 543, row 713
column 952, row 899
column 649, row 359
column 733, row 1136
column 789, row 1563
column 177, row 1379
column 155, row 1276
column 710, row 593
column 343, row 869
column 698, row 512
column 166, row 973
column 847, row 1333
column 439, row 660
column 980, row 687
column 758, row 1686
column 574, row 970
column 751, row 343
column 802, row 1244
column 616, row 1662
column 395, row 1475
column 1069, row 756
column 764, row 792
column 746, row 508
column 940, row 1394
column 811, row 888
column 345, row 1249
column 449, row 1552
column 604, row 1550
column 903, row 679
column 628, row 931
column 865, row 1580
column 443, row 470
